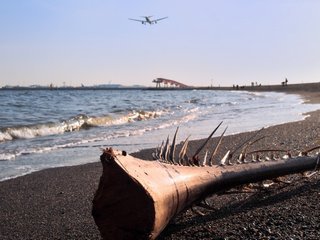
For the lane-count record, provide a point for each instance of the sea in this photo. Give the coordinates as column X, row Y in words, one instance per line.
column 42, row 129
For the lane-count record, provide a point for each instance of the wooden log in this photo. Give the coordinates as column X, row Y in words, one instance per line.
column 136, row 199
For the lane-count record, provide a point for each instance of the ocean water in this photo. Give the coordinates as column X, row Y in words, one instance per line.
column 43, row 129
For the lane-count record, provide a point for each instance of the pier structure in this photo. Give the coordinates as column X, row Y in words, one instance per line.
column 168, row 83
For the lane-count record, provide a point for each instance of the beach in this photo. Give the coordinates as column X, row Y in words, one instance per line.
column 56, row 203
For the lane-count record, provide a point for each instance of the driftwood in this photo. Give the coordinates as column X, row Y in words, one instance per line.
column 136, row 199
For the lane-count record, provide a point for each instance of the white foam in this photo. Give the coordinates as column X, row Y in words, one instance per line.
column 7, row 156
column 5, row 136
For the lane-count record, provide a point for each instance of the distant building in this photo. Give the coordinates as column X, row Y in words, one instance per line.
column 168, row 83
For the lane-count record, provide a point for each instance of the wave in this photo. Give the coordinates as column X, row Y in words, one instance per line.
column 76, row 123
column 12, row 155
column 191, row 114
column 7, row 156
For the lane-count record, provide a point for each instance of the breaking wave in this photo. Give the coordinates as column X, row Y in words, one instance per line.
column 80, row 122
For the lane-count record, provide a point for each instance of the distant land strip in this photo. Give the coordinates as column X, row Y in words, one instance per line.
column 310, row 87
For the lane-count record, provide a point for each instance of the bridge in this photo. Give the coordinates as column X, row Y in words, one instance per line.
column 168, row 83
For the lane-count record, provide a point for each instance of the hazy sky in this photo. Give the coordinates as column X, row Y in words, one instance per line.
column 222, row 42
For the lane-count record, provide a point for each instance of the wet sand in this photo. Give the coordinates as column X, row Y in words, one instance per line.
column 56, row 203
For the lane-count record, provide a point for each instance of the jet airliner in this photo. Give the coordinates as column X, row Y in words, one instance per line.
column 147, row 19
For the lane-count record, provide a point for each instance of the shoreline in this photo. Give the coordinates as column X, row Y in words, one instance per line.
column 56, row 202
column 310, row 87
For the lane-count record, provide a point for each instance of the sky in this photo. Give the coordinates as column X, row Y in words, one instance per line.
column 201, row 43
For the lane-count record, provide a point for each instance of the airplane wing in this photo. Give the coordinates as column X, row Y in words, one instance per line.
column 138, row 20
column 155, row 20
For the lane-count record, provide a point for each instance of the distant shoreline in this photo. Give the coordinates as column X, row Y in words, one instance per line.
column 309, row 87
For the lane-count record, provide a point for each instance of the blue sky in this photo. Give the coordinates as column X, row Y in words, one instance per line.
column 204, row 42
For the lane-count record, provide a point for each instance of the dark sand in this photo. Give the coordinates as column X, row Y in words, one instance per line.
column 56, row 203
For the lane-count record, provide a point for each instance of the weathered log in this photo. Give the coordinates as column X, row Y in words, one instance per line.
column 136, row 199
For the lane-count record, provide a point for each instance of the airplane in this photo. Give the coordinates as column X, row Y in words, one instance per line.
column 148, row 20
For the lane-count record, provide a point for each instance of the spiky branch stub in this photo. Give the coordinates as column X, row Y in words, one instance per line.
column 136, row 198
